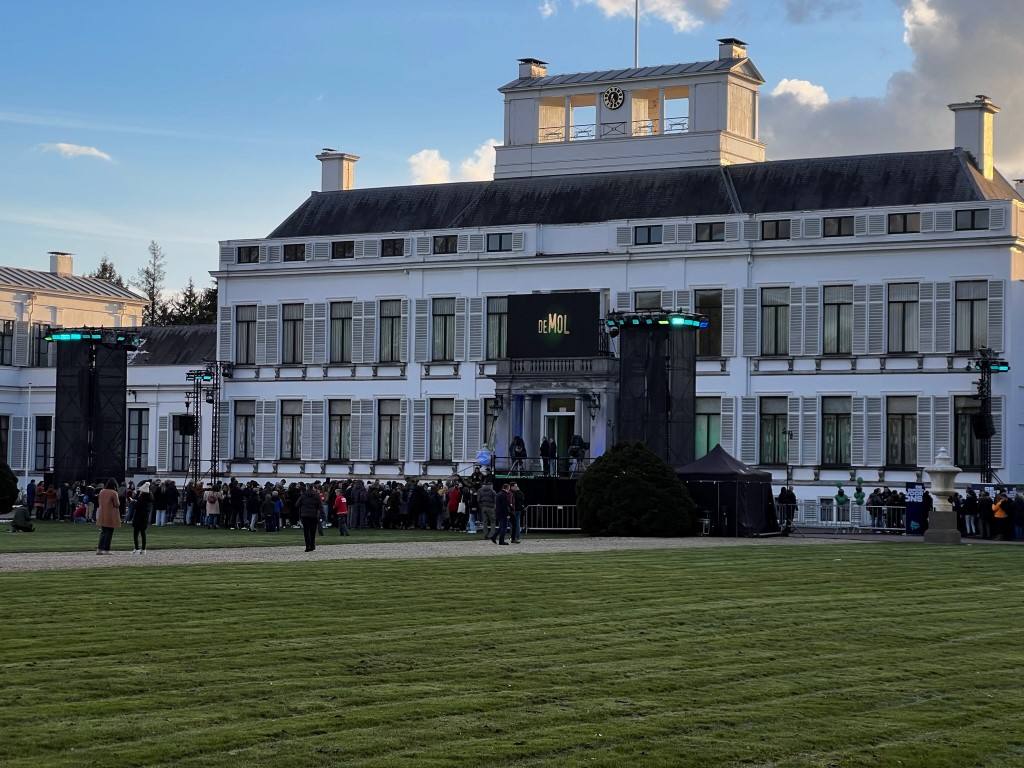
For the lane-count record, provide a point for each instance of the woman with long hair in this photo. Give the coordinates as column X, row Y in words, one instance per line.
column 109, row 516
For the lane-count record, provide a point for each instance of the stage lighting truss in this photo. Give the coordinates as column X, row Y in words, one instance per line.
column 118, row 338
column 616, row 321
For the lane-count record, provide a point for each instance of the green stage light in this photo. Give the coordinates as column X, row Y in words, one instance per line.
column 662, row 321
column 676, row 320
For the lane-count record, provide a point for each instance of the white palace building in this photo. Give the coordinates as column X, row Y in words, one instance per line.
column 369, row 332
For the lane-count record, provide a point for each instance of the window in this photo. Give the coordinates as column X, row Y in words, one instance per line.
column 341, row 332
column 709, row 340
column 774, row 431
column 976, row 219
column 497, row 327
column 44, row 442
column 392, row 246
column 711, row 232
column 490, row 423
column 648, row 300
column 343, row 249
column 775, row 321
column 391, row 330
column 968, row 447
column 291, row 429
column 835, row 431
column 902, row 223
column 837, row 335
column 442, row 419
column 500, row 241
column 901, row 432
column 295, row 252
column 138, row 438
column 838, row 226
column 5, row 437
column 388, row 429
column 777, row 229
column 339, row 430
column 647, row 235
column 245, row 335
column 39, row 351
column 971, row 315
column 247, row 254
column 443, row 347
column 6, row 342
column 291, row 333
column 181, row 446
column 708, row 425
column 446, row 244
column 245, row 429
column 903, row 317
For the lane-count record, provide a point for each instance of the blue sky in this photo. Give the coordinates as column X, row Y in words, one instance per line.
column 187, row 122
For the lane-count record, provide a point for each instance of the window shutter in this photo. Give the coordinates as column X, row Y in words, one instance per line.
column 876, row 223
column 927, row 221
column 793, row 425
column 422, row 246
column 408, row 246
column 227, row 256
column 21, row 343
column 860, row 225
column 371, row 248
column 320, row 333
column 308, row 256
column 857, row 433
column 318, row 432
column 307, row 334
column 421, row 331
column 943, row 317
column 623, row 237
column 476, row 329
column 796, row 228
column 403, row 351
column 462, row 242
column 321, row 251
column 357, row 248
column 419, row 429
column 944, row 220
column 258, row 431
column 623, row 301
column 261, row 334
column 812, row 227
column 366, row 446
column 926, row 320
column 403, row 429
column 732, row 230
column 751, row 347
column 996, row 218
column 357, row 334
column 355, row 450
column 684, row 233
column 264, row 254
column 16, row 442
column 812, row 320
column 683, row 300
column 941, row 433
column 518, row 241
column 728, row 425
column 224, row 339
column 668, row 300
column 748, row 430
column 751, row 230
column 668, row 233
column 924, row 431
column 224, row 433
column 996, row 314
column 876, row 319
column 461, row 313
column 459, row 431
column 274, row 254
column 162, row 432
column 875, row 450
column 476, row 243
column 306, row 439
column 273, row 334
column 999, row 438
column 796, row 321
column 369, row 331
column 268, row 438
column 729, row 322
column 860, row 320
column 474, row 426
column 809, row 437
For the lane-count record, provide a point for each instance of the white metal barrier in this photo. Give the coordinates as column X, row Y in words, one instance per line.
column 551, row 517
column 848, row 518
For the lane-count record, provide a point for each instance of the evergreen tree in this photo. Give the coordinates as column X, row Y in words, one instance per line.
column 106, row 271
column 8, row 489
column 208, row 305
column 185, row 310
column 150, row 280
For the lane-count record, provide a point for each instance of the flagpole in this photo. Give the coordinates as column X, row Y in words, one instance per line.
column 636, row 34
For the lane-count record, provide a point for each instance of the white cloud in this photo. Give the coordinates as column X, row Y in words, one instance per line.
column 806, row 93
column 429, row 167
column 74, row 150
column 682, row 15
column 548, row 8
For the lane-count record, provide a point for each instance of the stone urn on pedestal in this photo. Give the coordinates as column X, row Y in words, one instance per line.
column 942, row 520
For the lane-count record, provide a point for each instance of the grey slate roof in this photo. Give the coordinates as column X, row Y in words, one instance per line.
column 35, row 278
column 177, row 345
column 633, row 73
column 891, row 180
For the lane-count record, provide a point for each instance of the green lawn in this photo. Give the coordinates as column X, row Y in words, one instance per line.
column 815, row 655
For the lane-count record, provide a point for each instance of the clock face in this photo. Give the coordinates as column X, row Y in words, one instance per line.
column 614, row 97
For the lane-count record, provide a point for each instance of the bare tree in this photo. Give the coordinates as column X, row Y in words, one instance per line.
column 150, row 280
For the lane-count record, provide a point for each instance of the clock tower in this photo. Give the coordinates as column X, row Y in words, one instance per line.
column 672, row 116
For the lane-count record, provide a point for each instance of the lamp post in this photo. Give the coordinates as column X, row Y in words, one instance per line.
column 942, row 520
column 28, row 433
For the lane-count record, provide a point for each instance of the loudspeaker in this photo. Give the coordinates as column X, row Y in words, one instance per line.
column 982, row 425
column 187, row 425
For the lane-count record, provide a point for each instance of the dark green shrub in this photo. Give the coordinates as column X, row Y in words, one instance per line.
column 629, row 491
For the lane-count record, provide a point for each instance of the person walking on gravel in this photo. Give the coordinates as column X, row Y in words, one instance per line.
column 309, row 515
column 109, row 516
column 140, row 520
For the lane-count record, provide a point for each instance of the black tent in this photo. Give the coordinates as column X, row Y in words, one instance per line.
column 736, row 498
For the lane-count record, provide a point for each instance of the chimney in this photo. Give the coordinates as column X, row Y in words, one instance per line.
column 61, row 263
column 336, row 170
column 533, row 68
column 731, row 48
column 974, row 131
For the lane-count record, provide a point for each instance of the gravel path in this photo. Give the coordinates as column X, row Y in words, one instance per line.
column 56, row 561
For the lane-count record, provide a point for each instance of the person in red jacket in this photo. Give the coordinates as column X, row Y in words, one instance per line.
column 453, row 507
column 341, row 512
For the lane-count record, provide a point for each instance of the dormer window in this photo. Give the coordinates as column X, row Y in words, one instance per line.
column 647, row 235
column 499, row 241
column 777, row 229
column 446, row 244
column 838, row 226
column 392, row 246
column 975, row 219
column 902, row 223
column 710, row 232
column 247, row 254
column 295, row 252
column 343, row 249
